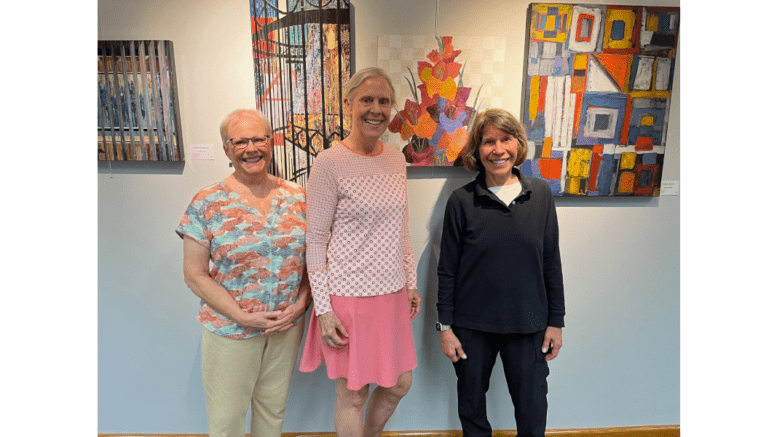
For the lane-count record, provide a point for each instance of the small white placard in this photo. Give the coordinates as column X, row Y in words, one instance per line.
column 670, row 188
column 201, row 151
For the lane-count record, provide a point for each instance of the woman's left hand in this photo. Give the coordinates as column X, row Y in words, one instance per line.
column 551, row 342
column 289, row 314
column 414, row 299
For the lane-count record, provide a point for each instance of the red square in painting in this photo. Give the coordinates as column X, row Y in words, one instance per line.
column 550, row 168
column 644, row 143
column 598, row 149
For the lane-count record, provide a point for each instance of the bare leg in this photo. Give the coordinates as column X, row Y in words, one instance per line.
column 383, row 402
column 348, row 409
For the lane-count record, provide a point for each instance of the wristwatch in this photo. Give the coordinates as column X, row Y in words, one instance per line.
column 440, row 327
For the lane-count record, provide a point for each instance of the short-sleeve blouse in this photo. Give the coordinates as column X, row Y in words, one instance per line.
column 258, row 258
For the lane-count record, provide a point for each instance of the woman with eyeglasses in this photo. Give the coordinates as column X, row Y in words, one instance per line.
column 250, row 228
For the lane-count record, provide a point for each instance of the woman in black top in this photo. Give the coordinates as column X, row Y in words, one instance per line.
column 500, row 283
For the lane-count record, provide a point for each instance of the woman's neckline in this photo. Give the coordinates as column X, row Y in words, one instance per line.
column 379, row 143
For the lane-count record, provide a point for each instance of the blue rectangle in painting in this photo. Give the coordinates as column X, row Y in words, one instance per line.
column 649, row 158
column 646, row 178
column 602, row 122
column 614, row 101
column 636, row 129
column 604, row 179
column 618, row 30
column 527, row 168
column 555, row 186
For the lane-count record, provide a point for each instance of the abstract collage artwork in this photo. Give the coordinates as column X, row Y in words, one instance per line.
column 440, row 83
column 137, row 109
column 597, row 93
column 302, row 61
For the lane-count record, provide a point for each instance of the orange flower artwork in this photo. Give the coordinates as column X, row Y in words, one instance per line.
column 437, row 123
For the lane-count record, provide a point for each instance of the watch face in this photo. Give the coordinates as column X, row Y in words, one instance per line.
column 438, row 326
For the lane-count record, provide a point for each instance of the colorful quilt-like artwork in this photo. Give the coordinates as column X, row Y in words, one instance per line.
column 596, row 103
column 435, row 108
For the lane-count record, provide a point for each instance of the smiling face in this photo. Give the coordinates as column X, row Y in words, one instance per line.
column 498, row 152
column 370, row 108
column 253, row 160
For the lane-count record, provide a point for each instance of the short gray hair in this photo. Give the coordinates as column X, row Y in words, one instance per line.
column 234, row 115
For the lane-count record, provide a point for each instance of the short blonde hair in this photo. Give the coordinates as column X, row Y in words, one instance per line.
column 362, row 75
column 502, row 120
column 234, row 115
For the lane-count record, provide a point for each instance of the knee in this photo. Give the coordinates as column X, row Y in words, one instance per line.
column 352, row 398
column 404, row 382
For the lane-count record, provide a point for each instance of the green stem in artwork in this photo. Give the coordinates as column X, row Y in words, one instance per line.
column 475, row 108
column 461, row 75
column 412, row 86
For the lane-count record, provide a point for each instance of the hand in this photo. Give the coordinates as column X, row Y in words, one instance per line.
column 551, row 342
column 414, row 299
column 288, row 316
column 451, row 346
column 262, row 320
column 331, row 330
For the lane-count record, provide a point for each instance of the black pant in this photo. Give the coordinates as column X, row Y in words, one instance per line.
column 526, row 372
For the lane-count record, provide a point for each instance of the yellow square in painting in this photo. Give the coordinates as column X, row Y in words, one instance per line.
column 573, row 185
column 581, row 61
column 628, row 159
column 651, row 22
column 647, row 120
column 626, row 183
column 628, row 18
column 550, row 22
column 579, row 163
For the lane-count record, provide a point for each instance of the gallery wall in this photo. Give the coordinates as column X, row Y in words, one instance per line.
column 620, row 364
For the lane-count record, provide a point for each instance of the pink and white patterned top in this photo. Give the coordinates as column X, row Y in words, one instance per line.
column 358, row 241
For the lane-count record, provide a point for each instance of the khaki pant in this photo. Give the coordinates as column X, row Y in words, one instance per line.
column 255, row 371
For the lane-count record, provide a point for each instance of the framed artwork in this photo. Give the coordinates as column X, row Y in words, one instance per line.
column 598, row 85
column 137, row 109
column 302, row 62
column 440, row 84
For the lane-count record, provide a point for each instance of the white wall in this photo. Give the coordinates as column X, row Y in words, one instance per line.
column 620, row 362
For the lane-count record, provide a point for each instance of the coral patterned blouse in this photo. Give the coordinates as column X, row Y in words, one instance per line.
column 258, row 258
column 358, row 232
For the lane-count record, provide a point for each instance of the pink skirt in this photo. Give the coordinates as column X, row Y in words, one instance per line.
column 380, row 341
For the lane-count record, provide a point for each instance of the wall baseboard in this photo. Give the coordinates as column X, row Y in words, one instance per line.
column 622, row 431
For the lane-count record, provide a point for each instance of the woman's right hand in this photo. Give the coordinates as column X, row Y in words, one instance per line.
column 262, row 320
column 331, row 330
column 451, row 346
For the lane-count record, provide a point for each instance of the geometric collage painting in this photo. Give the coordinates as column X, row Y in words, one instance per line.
column 596, row 100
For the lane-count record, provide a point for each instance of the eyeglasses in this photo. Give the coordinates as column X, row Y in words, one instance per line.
column 242, row 143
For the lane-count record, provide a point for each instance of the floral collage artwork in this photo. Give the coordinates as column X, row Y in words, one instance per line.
column 435, row 102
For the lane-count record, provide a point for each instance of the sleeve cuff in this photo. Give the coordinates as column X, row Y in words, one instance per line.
column 410, row 273
column 556, row 320
column 320, row 291
column 445, row 318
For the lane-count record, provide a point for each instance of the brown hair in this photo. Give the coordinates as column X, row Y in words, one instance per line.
column 502, row 120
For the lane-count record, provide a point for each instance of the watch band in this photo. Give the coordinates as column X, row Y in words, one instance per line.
column 440, row 327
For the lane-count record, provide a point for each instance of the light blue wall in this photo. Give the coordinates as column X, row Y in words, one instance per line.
column 620, row 364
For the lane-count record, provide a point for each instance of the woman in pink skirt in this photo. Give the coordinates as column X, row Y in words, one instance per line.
column 361, row 265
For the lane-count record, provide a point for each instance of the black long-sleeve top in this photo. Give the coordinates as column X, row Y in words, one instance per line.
column 500, row 266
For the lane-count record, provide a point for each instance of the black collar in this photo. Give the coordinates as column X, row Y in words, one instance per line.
column 481, row 189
